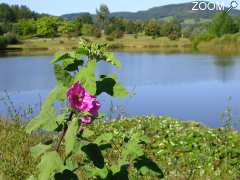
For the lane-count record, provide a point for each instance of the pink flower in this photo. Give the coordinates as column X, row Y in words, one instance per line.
column 86, row 119
column 75, row 96
column 80, row 100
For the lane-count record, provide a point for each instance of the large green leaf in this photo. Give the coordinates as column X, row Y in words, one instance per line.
column 133, row 149
column 39, row 149
column 59, row 56
column 87, row 77
column 47, row 119
column 70, row 137
column 110, row 86
column 104, row 138
column 50, row 164
column 102, row 173
column 62, row 76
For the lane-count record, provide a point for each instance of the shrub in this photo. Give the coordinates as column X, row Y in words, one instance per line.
column 3, row 42
column 97, row 33
column 11, row 38
column 87, row 30
column 201, row 37
column 110, row 38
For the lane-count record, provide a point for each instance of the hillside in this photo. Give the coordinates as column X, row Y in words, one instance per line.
column 181, row 11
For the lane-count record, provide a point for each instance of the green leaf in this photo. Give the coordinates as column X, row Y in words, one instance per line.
column 110, row 86
column 70, row 137
column 87, row 77
column 133, row 149
column 116, row 167
column 94, row 154
column 59, row 56
column 110, row 57
column 50, row 164
column 39, row 149
column 102, row 173
column 31, row 178
column 47, row 119
column 62, row 76
column 87, row 133
column 71, row 164
column 74, row 66
column 104, row 138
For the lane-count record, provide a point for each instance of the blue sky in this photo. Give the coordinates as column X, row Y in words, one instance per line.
column 59, row 7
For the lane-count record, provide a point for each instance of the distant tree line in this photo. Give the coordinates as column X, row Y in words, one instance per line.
column 20, row 21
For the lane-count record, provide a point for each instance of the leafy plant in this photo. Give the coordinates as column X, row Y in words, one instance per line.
column 76, row 148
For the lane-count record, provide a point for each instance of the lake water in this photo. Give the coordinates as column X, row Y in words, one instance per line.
column 184, row 86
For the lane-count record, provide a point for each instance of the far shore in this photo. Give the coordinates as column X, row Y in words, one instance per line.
column 129, row 43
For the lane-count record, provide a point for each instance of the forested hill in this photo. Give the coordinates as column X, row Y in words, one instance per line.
column 180, row 11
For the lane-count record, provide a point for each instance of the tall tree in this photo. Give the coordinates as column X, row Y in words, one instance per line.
column 223, row 23
column 102, row 15
column 47, row 26
column 6, row 13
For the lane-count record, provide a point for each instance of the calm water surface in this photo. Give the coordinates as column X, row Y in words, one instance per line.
column 185, row 86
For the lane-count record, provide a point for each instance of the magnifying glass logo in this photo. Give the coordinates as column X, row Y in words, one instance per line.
column 234, row 4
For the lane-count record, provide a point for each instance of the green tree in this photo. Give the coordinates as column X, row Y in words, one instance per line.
column 85, row 19
column 102, row 15
column 3, row 42
column 172, row 29
column 47, row 26
column 67, row 28
column 152, row 28
column 87, row 30
column 23, row 12
column 116, row 27
column 223, row 23
column 27, row 27
column 6, row 13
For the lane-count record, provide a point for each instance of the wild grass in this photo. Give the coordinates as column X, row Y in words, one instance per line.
column 228, row 44
column 182, row 150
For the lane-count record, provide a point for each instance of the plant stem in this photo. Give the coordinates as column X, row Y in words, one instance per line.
column 63, row 133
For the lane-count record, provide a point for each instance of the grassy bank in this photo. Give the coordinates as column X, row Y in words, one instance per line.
column 127, row 43
column 228, row 44
column 182, row 150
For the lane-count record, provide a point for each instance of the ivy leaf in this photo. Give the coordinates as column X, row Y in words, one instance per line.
column 39, row 149
column 50, row 164
column 110, row 57
column 87, row 77
column 70, row 136
column 104, row 138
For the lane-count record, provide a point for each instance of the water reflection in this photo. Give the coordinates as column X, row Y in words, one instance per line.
column 225, row 67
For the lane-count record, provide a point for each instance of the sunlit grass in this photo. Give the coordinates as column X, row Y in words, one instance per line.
column 127, row 43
